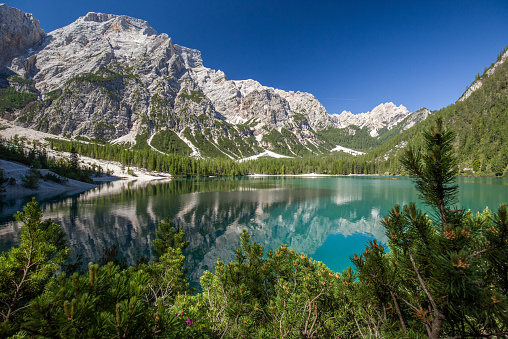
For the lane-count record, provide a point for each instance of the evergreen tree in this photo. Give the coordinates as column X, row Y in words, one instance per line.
column 166, row 236
column 28, row 267
column 452, row 268
column 74, row 160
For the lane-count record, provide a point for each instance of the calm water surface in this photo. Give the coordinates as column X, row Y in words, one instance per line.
column 328, row 218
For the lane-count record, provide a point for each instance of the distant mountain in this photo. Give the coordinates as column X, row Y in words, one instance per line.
column 382, row 116
column 113, row 78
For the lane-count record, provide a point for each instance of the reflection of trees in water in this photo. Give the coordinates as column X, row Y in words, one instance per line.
column 298, row 212
column 212, row 212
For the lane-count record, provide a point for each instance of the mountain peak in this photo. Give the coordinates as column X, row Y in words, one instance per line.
column 97, row 17
column 119, row 22
column 383, row 115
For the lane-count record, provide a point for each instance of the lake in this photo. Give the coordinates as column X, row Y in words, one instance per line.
column 328, row 218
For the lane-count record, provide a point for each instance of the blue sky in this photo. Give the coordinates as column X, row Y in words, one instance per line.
column 352, row 55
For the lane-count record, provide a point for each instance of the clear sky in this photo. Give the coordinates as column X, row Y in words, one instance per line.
column 352, row 55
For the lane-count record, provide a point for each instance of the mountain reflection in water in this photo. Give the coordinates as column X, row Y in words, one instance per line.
column 299, row 212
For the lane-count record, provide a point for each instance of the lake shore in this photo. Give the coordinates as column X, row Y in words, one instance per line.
column 48, row 189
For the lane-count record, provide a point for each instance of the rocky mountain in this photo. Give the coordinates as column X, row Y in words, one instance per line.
column 382, row 116
column 19, row 33
column 114, row 78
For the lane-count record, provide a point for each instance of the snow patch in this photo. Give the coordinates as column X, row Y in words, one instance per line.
column 195, row 150
column 266, row 153
column 347, row 150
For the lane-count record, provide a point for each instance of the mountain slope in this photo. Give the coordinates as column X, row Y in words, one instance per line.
column 480, row 120
column 106, row 76
column 111, row 78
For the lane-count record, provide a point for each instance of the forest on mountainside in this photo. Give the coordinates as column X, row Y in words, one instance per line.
column 480, row 124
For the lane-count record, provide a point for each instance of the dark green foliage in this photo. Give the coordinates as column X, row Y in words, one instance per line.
column 26, row 269
column 83, row 138
column 154, row 161
column 168, row 142
column 11, row 99
column 38, row 158
column 277, row 142
column 55, row 178
column 195, row 96
column 166, row 236
column 361, row 140
column 74, row 160
column 438, row 277
column 158, row 101
column 293, row 142
column 479, row 123
column 141, row 141
column 98, row 77
column 20, row 80
column 434, row 170
column 283, row 295
column 102, row 129
column 500, row 55
column 206, row 147
column 54, row 94
column 104, row 302
column 443, row 268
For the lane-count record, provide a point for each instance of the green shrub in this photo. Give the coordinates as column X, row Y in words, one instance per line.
column 55, row 178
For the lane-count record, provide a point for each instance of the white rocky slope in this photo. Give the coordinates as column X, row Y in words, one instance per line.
column 478, row 83
column 382, row 116
column 110, row 76
column 97, row 41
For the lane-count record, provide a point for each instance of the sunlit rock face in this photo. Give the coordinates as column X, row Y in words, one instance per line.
column 382, row 116
column 113, row 77
column 143, row 82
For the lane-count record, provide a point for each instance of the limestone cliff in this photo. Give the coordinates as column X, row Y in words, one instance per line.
column 19, row 33
column 113, row 78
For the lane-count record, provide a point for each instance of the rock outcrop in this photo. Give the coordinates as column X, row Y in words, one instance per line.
column 19, row 33
column 105, row 76
column 478, row 82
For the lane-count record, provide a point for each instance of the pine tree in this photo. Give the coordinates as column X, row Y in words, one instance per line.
column 27, row 267
column 452, row 267
column 166, row 236
column 74, row 160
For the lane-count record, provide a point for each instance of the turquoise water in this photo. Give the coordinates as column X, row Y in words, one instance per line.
column 328, row 218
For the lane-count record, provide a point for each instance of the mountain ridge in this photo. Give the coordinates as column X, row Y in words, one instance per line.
column 112, row 77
